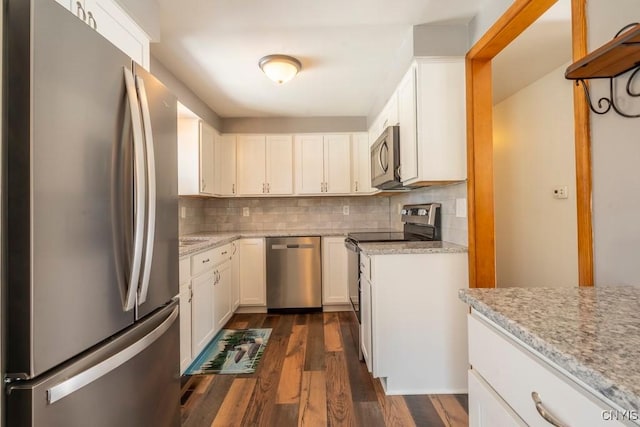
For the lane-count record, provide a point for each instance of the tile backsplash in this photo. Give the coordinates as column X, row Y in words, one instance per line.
column 318, row 213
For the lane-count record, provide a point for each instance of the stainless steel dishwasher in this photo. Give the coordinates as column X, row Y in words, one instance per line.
column 294, row 273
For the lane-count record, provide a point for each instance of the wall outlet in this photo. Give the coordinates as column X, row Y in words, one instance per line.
column 183, row 212
column 345, row 210
column 561, row 192
column 245, row 211
column 461, row 208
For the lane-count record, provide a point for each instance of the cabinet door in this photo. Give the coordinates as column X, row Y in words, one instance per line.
column 335, row 286
column 366, row 332
column 337, row 164
column 253, row 283
column 235, row 277
column 279, row 164
column 114, row 24
column 309, row 164
column 251, row 164
column 225, row 165
column 71, row 6
column 360, row 164
column 207, row 137
column 202, row 327
column 408, row 130
column 486, row 407
column 185, row 326
column 390, row 112
column 222, row 295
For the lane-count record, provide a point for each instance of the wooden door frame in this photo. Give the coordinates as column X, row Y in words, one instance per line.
column 521, row 14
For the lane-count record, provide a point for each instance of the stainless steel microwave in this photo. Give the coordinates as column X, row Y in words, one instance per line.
column 385, row 160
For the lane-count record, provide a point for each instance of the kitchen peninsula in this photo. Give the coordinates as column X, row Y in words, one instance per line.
column 566, row 354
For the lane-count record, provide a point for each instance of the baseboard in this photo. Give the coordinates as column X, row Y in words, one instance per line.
column 337, row 307
column 251, row 309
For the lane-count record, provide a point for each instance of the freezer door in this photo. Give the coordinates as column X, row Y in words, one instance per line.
column 133, row 381
column 159, row 280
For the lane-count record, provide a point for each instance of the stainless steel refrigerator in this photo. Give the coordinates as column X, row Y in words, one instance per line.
column 90, row 229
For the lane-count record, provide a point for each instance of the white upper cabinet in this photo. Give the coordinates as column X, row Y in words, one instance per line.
column 279, row 163
column 195, row 157
column 309, row 164
column 225, row 165
column 265, row 164
column 337, row 164
column 433, row 122
column 323, row 164
column 361, row 164
column 114, row 24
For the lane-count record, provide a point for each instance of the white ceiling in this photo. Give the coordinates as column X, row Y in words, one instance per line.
column 346, row 48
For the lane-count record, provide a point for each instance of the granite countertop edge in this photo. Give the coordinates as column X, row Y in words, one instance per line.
column 598, row 384
column 212, row 240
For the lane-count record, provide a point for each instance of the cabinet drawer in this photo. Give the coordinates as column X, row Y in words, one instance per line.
column 515, row 373
column 486, row 408
column 184, row 267
column 202, row 261
column 222, row 254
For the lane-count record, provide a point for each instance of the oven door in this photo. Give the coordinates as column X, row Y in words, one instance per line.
column 353, row 269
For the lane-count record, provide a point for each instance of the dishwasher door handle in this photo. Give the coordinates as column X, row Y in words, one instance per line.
column 293, row 246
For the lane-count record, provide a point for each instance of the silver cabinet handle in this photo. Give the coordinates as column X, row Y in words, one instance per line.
column 139, row 189
column 356, row 186
column 544, row 413
column 204, row 261
column 263, row 188
column 233, row 189
column 224, row 253
column 75, row 383
column 151, row 188
column 190, row 293
column 268, row 187
column 203, row 185
column 81, row 10
column 235, row 248
column 91, row 18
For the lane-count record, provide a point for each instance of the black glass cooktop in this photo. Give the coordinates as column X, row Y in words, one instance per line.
column 380, row 236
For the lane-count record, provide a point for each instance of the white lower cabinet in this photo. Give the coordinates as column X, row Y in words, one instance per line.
column 514, row 372
column 252, row 275
column 202, row 326
column 365, row 320
column 235, row 277
column 418, row 333
column 185, row 313
column 222, row 295
column 335, row 285
column 486, row 407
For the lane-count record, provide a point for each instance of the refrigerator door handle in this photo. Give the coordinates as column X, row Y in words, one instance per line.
column 151, row 191
column 139, row 190
column 75, row 383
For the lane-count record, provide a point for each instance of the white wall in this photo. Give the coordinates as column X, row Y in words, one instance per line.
column 615, row 160
column 536, row 235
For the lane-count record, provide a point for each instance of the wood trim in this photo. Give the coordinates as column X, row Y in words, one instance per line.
column 582, row 151
column 511, row 24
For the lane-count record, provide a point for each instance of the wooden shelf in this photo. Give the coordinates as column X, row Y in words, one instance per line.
column 614, row 58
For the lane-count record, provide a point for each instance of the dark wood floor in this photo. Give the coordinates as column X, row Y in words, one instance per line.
column 309, row 375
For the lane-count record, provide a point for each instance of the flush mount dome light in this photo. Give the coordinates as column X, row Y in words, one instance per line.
column 280, row 68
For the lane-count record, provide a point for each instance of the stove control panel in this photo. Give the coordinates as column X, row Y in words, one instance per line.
column 424, row 214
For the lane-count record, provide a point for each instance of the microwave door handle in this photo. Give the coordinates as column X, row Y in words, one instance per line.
column 384, row 148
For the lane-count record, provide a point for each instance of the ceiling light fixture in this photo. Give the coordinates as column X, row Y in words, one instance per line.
column 280, row 68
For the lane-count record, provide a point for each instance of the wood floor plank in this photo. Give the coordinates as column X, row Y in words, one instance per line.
column 423, row 411
column 312, row 411
column 359, row 377
column 314, row 356
column 262, row 402
column 206, row 405
column 293, row 365
column 339, row 399
column 394, row 408
column 464, row 401
column 284, row 415
column 368, row 414
column 234, row 405
column 332, row 338
column 450, row 410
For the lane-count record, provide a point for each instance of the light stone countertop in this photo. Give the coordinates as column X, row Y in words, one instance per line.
column 207, row 240
column 395, row 248
column 591, row 333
